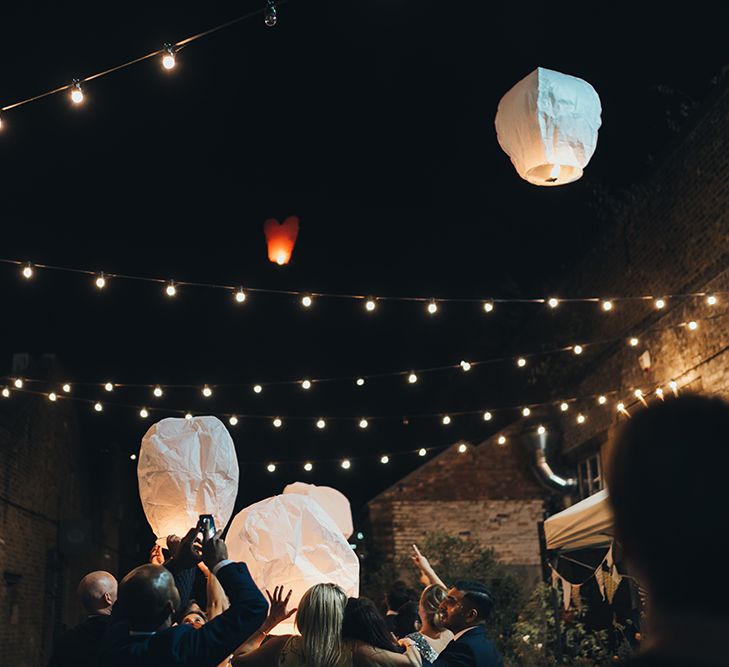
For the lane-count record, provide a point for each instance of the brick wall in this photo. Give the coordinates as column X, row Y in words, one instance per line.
column 486, row 494
column 672, row 236
column 45, row 475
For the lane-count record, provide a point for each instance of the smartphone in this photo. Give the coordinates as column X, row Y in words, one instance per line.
column 206, row 526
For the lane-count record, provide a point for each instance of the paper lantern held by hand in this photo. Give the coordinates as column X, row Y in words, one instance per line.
column 547, row 124
column 281, row 238
column 187, row 467
column 333, row 502
column 290, row 541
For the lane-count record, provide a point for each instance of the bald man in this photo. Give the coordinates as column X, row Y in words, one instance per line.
column 81, row 645
column 149, row 600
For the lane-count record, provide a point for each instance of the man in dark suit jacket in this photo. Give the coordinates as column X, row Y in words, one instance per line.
column 81, row 645
column 148, row 600
column 464, row 610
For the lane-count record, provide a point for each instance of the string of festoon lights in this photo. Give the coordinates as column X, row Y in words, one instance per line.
column 412, row 376
column 167, row 56
column 240, row 293
column 581, row 404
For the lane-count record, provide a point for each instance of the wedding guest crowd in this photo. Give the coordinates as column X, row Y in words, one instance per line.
column 662, row 493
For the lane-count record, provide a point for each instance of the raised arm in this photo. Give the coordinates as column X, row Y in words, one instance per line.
column 428, row 575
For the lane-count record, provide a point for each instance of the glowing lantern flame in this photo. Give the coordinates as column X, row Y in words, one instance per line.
column 281, row 238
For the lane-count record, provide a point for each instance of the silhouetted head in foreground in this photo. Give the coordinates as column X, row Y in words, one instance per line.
column 148, row 598
column 667, row 479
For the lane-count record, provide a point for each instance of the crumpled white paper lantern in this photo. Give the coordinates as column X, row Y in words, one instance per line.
column 334, row 503
column 547, row 124
column 187, row 467
column 290, row 541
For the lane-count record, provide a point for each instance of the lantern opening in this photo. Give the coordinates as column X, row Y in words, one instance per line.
column 553, row 174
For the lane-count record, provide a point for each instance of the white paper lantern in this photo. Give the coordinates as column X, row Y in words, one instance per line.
column 334, row 503
column 290, row 541
column 187, row 467
column 547, row 124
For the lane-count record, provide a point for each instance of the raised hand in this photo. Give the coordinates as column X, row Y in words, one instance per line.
column 277, row 612
column 187, row 554
column 156, row 557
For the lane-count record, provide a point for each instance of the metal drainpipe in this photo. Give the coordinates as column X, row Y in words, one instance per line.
column 537, row 445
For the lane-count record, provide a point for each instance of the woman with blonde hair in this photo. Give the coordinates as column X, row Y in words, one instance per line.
column 319, row 619
column 432, row 637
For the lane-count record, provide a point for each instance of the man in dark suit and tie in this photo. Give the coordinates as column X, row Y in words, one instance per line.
column 148, row 600
column 464, row 611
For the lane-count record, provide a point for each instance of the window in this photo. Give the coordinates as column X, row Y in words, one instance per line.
column 589, row 474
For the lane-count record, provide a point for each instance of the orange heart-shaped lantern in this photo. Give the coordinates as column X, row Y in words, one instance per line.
column 281, row 238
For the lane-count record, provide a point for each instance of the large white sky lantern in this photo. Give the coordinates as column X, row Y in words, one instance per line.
column 187, row 467
column 333, row 502
column 290, row 541
column 547, row 124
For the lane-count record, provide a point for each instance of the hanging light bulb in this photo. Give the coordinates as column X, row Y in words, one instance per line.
column 1, row 122
column 422, row 451
column 67, row 388
column 158, row 391
column 188, row 415
column 526, row 412
column 607, row 305
column 363, row 423
column 6, row 392
column 487, row 416
column 271, row 467
column 577, row 349
column 602, row 400
column 622, row 410
column 633, row 342
column 28, row 271
column 541, row 430
column 346, row 464
column 306, row 301
column 320, row 423
column 385, row 459
column 308, row 467
column 432, row 308
column 659, row 393
column 143, row 413
column 98, row 407
column 133, row 457
column 171, row 290
column 462, row 448
column 360, row 382
column 521, row 362
column 101, row 281
column 52, row 397
column 581, row 419
column 693, row 325
column 488, row 306
column 18, row 383
column 466, row 366
column 446, row 420
column 77, row 95
column 370, row 305
column 240, row 295
column 109, row 386
column 257, row 388
column 277, row 423
column 233, row 421
column 168, row 59
column 501, row 440
column 639, row 395
column 660, row 303
column 552, row 302
column 711, row 300
column 674, row 387
column 306, row 384
column 564, row 406
column 412, row 378
column 207, row 392
column 270, row 17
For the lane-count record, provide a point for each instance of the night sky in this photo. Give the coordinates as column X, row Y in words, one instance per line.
column 371, row 121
